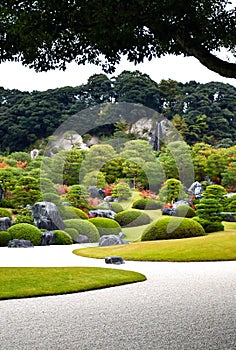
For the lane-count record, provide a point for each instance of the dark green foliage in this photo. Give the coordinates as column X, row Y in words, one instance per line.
column 142, row 30
column 26, row 231
column 5, row 237
column 185, row 211
column 214, row 226
column 5, row 213
column 207, row 110
column 146, row 203
column 106, row 226
column 68, row 212
column 209, row 226
column 172, row 228
column 130, row 218
column 83, row 227
column 62, row 238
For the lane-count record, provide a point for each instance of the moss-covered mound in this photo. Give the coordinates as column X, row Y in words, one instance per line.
column 147, row 203
column 116, row 207
column 82, row 227
column 172, row 228
column 185, row 211
column 62, row 238
column 131, row 218
column 106, row 226
column 5, row 237
column 71, row 213
column 26, row 231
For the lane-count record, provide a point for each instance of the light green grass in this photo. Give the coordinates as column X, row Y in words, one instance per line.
column 24, row 282
column 213, row 247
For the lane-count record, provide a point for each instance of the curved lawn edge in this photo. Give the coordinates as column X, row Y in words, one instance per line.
column 26, row 282
column 218, row 246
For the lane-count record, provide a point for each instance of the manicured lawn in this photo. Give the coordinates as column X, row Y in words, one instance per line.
column 24, row 282
column 215, row 246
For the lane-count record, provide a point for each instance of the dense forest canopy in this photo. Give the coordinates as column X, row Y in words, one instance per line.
column 201, row 112
column 48, row 34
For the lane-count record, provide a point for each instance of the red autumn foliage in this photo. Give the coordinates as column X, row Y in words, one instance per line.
column 108, row 190
column 3, row 165
column 148, row 194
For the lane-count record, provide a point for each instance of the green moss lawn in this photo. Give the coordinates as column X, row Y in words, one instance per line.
column 212, row 247
column 25, row 282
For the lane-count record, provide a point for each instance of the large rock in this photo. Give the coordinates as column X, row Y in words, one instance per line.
column 108, row 240
column 103, row 213
column 5, row 223
column 19, row 243
column 82, row 239
column 47, row 216
column 48, row 238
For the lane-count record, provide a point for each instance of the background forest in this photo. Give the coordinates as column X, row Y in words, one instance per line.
column 201, row 112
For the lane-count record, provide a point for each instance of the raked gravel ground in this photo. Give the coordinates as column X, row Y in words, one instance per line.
column 181, row 306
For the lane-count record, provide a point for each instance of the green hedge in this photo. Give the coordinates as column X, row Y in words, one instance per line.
column 172, row 228
column 62, row 238
column 185, row 211
column 5, row 237
column 26, row 231
column 106, row 226
column 131, row 218
column 147, row 203
column 83, row 227
column 5, row 213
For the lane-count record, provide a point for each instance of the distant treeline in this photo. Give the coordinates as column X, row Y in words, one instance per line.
column 201, row 112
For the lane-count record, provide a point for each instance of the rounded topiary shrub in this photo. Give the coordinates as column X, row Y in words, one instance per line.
column 185, row 211
column 62, row 238
column 83, row 227
column 116, row 207
column 131, row 218
column 5, row 213
column 5, row 237
column 147, row 203
column 68, row 212
column 172, row 228
column 72, row 232
column 26, row 231
column 106, row 226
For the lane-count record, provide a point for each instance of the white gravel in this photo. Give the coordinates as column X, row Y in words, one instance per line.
column 181, row 306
